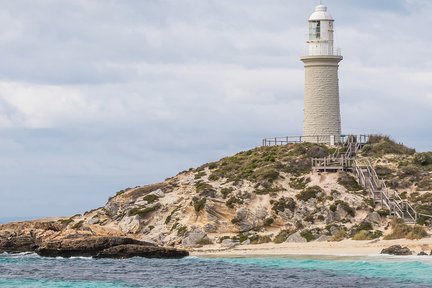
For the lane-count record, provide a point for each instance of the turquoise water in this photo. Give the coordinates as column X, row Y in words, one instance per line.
column 384, row 271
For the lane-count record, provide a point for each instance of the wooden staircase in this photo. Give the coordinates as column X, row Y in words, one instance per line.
column 381, row 194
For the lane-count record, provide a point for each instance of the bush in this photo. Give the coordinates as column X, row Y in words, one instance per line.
column 226, row 191
column 309, row 193
column 401, row 230
column 349, row 182
column 299, row 183
column 204, row 241
column 367, row 235
column 232, row 201
column 416, row 232
column 142, row 212
column 281, row 237
column 364, row 226
column 198, row 203
column 307, row 234
column 150, row 198
column 205, row 189
column 269, row 174
column 258, row 239
column 423, row 159
column 339, row 235
column 345, row 206
column 284, row 203
column 268, row 221
column 380, row 145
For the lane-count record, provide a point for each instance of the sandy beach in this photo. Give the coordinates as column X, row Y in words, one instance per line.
column 343, row 248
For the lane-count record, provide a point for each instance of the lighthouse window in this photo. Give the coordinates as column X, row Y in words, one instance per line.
column 314, row 30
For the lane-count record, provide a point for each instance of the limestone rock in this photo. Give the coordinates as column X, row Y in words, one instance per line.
column 93, row 220
column 229, row 243
column 130, row 224
column 159, row 193
column 261, row 213
column 422, row 253
column 193, row 237
column 296, row 238
column 323, row 238
column 210, row 228
column 374, row 217
column 397, row 250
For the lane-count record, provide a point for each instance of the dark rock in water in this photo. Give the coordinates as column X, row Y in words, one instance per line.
column 12, row 243
column 422, row 254
column 397, row 250
column 107, row 247
column 128, row 251
column 87, row 247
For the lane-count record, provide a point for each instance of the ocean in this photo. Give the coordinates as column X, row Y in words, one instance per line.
column 30, row 270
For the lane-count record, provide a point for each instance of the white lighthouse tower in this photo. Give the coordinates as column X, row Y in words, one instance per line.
column 322, row 120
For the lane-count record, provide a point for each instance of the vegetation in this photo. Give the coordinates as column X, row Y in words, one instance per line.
column 78, row 225
column 307, row 234
column 230, row 203
column 151, row 198
column 143, row 211
column 339, row 235
column 367, row 235
column 349, row 182
column 299, row 183
column 204, row 241
column 283, row 203
column 344, row 205
column 309, row 193
column 281, row 237
column 226, row 192
column 259, row 239
column 380, row 145
column 198, row 203
column 401, row 230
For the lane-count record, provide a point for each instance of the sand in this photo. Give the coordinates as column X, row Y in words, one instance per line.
column 343, row 248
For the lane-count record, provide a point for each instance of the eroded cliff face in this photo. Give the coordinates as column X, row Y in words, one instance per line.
column 261, row 195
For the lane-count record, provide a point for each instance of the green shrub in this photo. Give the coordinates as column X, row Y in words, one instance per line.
column 142, row 212
column 281, row 237
column 423, row 159
column 258, row 239
column 78, row 225
column 284, row 203
column 269, row 190
column 299, row 183
column 230, row 203
column 226, row 192
column 268, row 221
column 416, row 232
column 349, row 182
column 198, row 203
column 367, row 226
column 213, row 177
column 339, row 235
column 150, row 198
column 345, row 206
column 309, row 193
column 181, row 230
column 203, row 188
column 367, row 235
column 204, row 241
column 399, row 230
column 307, row 234
column 199, row 175
column 269, row 174
column 380, row 145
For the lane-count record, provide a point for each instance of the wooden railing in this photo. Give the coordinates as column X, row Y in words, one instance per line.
column 323, row 139
column 388, row 198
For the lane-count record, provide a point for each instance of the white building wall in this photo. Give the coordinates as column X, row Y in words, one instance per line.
column 321, row 99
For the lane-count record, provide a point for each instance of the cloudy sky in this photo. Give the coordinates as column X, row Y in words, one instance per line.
column 99, row 95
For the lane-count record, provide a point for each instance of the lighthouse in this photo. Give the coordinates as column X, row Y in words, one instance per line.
column 322, row 120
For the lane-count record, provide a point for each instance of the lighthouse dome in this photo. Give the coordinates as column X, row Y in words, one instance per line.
column 320, row 13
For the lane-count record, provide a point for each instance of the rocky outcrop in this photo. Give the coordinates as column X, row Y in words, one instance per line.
column 296, row 238
column 131, row 250
column 106, row 247
column 397, row 250
column 13, row 243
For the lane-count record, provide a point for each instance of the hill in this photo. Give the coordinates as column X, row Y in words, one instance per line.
column 267, row 194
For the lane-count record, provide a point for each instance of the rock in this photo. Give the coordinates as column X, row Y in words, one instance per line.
column 112, row 207
column 323, row 238
column 229, row 243
column 159, row 193
column 296, row 238
column 18, row 243
column 261, row 213
column 422, row 254
column 397, row 250
column 133, row 250
column 94, row 220
column 246, row 242
column 130, row 224
column 87, row 247
column 210, row 228
column 340, row 212
column 373, row 217
column 193, row 237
